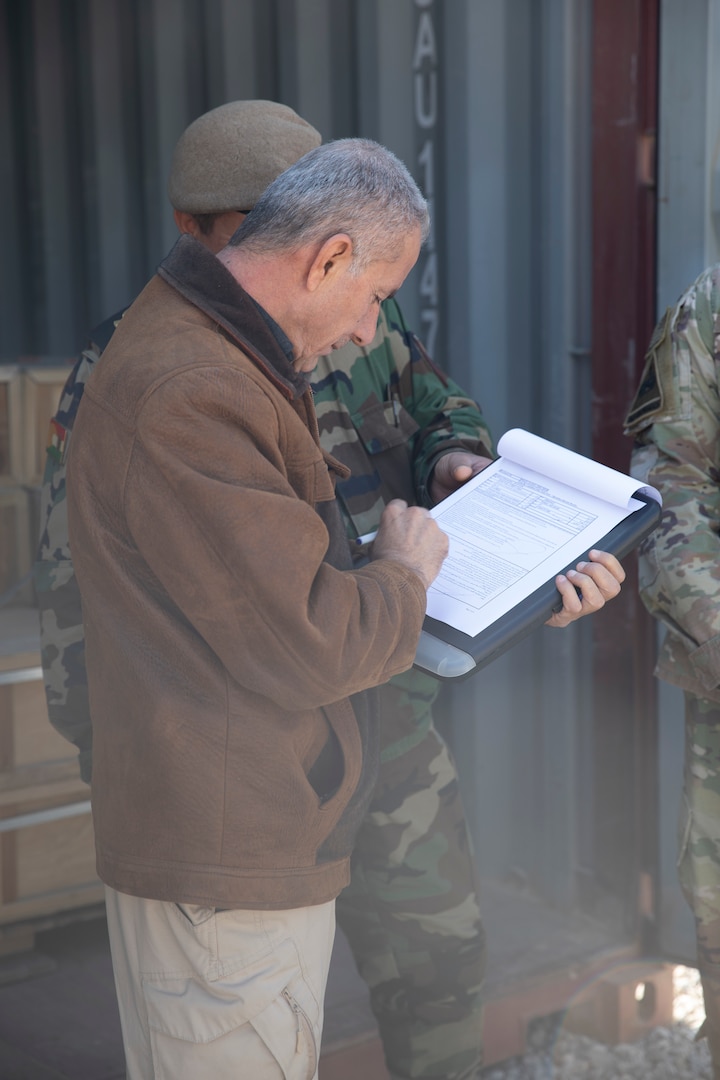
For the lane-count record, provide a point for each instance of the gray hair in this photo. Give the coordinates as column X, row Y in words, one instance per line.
column 352, row 186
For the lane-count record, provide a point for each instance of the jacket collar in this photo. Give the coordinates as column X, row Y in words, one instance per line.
column 203, row 280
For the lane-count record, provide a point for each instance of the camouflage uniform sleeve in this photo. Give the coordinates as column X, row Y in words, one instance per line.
column 62, row 642
column 446, row 417
column 675, row 423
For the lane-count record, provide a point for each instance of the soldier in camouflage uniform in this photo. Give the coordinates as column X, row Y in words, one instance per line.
column 675, row 423
column 411, row 912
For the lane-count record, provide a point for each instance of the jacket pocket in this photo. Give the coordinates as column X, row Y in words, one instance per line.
column 309, row 476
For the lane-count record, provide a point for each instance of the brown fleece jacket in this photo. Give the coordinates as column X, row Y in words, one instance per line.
column 229, row 765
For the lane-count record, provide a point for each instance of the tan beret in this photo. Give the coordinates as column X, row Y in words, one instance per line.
column 227, row 157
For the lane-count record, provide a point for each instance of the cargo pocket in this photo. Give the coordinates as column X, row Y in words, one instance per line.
column 386, row 430
column 261, row 1022
column 383, row 425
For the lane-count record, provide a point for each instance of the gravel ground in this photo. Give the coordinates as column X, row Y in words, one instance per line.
column 666, row 1053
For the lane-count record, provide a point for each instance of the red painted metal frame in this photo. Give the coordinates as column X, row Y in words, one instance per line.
column 625, row 105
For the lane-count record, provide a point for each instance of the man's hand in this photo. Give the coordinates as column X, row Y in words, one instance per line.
column 597, row 581
column 453, row 470
column 410, row 536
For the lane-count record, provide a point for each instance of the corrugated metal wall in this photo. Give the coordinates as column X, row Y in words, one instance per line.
column 94, row 94
column 488, row 102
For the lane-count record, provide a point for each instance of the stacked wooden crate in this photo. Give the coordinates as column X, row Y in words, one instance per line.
column 47, row 863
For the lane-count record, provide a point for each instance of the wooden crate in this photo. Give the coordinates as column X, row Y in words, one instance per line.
column 18, row 541
column 11, row 440
column 41, row 389
column 29, row 395
column 47, row 862
column 26, row 737
column 47, row 857
column 47, row 866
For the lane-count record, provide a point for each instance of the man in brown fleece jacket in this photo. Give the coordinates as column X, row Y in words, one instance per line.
column 225, row 632
column 230, row 646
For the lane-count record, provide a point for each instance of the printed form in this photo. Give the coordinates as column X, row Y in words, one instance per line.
column 520, row 522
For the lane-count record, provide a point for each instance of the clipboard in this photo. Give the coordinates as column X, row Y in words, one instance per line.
column 448, row 653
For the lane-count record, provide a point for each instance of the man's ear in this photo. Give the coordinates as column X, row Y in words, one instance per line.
column 186, row 223
column 332, row 260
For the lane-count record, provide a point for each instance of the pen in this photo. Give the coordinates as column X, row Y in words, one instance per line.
column 366, row 539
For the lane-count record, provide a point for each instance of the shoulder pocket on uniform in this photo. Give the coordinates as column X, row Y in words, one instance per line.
column 656, row 396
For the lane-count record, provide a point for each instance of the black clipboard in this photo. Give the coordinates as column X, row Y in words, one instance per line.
column 448, row 653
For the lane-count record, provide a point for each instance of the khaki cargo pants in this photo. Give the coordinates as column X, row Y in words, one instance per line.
column 222, row 995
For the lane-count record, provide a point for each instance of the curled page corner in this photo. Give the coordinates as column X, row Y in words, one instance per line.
column 650, row 493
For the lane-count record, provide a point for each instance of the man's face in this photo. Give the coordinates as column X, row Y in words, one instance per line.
column 347, row 309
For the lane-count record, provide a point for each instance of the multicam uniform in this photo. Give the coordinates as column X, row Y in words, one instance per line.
column 411, row 912
column 675, row 422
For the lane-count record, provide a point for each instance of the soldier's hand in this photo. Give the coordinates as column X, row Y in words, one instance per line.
column 587, row 588
column 453, row 470
column 410, row 536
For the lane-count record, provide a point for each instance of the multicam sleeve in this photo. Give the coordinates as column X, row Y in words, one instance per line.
column 447, row 417
column 675, row 423
column 62, row 642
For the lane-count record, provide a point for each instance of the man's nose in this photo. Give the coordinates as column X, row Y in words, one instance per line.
column 366, row 329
